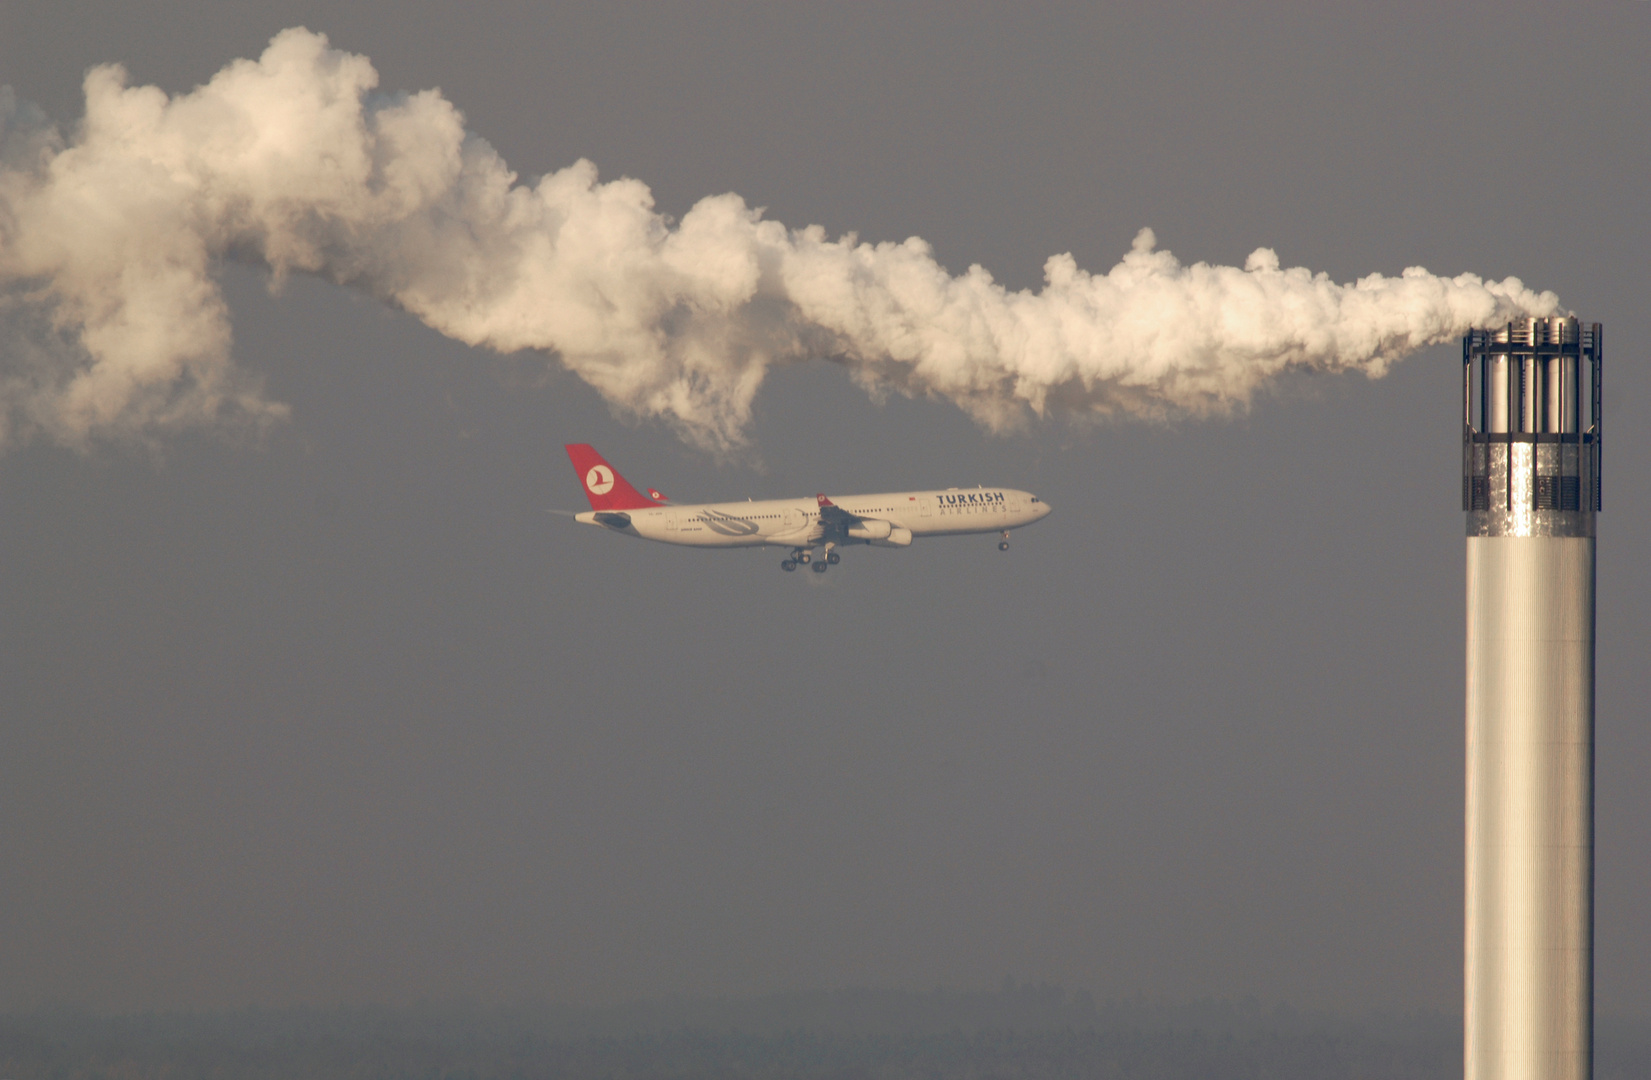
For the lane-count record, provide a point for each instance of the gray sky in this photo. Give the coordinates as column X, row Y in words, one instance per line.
column 343, row 715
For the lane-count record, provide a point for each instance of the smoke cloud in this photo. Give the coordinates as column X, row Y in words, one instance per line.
column 112, row 322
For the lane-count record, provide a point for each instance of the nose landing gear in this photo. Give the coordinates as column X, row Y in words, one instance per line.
column 1003, row 545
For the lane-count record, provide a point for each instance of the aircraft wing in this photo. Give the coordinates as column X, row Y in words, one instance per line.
column 834, row 519
column 833, row 516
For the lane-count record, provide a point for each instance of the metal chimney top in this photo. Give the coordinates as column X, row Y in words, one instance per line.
column 1531, row 428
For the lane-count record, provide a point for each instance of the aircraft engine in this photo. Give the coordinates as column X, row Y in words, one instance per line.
column 899, row 536
column 871, row 529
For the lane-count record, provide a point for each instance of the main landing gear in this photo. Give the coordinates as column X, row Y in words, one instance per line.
column 804, row 557
column 1003, row 545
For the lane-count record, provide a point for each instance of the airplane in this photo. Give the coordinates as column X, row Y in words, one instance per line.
column 814, row 529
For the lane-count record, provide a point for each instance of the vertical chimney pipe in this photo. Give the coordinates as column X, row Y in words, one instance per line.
column 1530, row 488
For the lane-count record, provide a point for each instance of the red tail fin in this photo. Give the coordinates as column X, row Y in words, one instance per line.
column 605, row 488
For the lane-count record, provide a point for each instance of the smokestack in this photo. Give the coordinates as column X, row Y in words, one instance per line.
column 1531, row 488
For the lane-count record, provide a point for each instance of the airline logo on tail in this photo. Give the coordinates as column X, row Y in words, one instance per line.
column 605, row 488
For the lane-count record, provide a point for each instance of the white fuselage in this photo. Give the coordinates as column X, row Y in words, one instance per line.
column 800, row 523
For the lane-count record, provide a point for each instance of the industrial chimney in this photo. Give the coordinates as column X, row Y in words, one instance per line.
column 1531, row 488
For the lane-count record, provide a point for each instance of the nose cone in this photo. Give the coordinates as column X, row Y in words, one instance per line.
column 1041, row 507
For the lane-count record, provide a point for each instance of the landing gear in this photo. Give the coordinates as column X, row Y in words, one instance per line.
column 1003, row 545
column 805, row 557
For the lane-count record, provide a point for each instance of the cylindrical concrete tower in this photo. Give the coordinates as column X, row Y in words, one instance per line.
column 1530, row 487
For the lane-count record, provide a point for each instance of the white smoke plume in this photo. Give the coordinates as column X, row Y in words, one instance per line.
column 112, row 322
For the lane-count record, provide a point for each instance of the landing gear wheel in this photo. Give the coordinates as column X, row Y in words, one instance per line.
column 788, row 565
column 833, row 558
column 820, row 567
column 1003, row 545
column 804, row 557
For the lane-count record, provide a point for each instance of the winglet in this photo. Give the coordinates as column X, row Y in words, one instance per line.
column 605, row 488
column 654, row 494
column 824, row 501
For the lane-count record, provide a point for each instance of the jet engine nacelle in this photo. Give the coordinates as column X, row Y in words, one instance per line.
column 899, row 536
column 873, row 529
